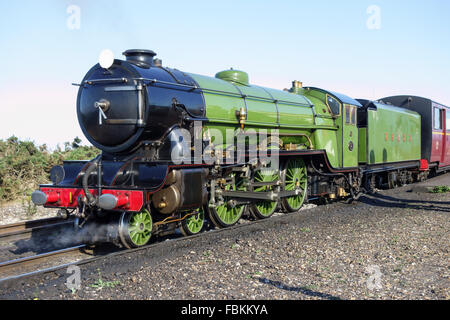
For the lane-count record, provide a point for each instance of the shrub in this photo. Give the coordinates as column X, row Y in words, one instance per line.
column 23, row 165
column 440, row 189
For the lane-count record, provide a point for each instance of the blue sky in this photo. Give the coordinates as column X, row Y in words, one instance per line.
column 322, row 43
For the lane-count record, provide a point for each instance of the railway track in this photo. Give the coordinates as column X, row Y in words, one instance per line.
column 55, row 260
column 58, row 259
column 24, row 229
column 20, row 267
column 12, row 266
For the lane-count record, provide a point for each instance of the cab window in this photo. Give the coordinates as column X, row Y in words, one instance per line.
column 353, row 115
column 348, row 115
column 334, row 105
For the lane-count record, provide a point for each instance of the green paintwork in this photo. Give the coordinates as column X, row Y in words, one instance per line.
column 326, row 139
column 261, row 111
column 226, row 215
column 220, row 107
column 341, row 143
column 295, row 177
column 264, row 209
column 224, row 100
column 194, row 223
column 295, row 114
column 229, row 215
column 237, row 76
column 140, row 227
column 349, row 136
column 362, row 145
column 397, row 125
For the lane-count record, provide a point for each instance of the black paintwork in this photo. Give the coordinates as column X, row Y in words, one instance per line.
column 362, row 111
column 117, row 174
column 193, row 188
column 123, row 106
column 166, row 103
column 140, row 57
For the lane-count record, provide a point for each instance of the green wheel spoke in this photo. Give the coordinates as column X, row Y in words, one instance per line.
column 295, row 178
column 264, row 209
column 193, row 224
column 136, row 228
column 226, row 215
column 132, row 229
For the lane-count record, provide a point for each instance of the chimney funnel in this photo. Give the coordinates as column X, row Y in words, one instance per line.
column 140, row 57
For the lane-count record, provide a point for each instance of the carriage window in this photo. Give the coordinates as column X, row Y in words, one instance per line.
column 448, row 119
column 437, row 118
column 334, row 105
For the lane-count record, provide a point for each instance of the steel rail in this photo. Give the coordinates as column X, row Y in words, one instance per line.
column 25, row 227
column 17, row 264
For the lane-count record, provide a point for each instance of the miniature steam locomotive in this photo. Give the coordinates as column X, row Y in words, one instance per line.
column 179, row 149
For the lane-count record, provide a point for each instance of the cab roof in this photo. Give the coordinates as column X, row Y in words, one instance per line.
column 342, row 98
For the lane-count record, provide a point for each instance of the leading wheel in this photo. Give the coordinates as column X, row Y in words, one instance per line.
column 193, row 224
column 135, row 228
column 295, row 177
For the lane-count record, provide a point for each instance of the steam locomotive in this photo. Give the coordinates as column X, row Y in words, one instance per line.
column 180, row 149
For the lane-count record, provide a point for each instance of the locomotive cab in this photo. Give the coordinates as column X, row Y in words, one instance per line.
column 341, row 143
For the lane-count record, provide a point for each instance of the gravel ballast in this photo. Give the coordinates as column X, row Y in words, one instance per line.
column 24, row 211
column 390, row 245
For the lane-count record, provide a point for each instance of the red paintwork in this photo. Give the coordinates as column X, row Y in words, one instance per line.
column 52, row 197
column 440, row 145
column 125, row 199
column 129, row 200
column 423, row 164
column 447, row 148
